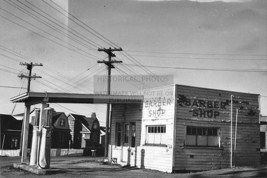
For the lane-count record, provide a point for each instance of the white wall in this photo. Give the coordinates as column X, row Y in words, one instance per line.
column 158, row 157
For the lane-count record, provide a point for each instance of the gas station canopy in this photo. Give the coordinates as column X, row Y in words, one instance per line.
column 32, row 98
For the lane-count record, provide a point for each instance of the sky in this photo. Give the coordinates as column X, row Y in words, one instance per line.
column 203, row 43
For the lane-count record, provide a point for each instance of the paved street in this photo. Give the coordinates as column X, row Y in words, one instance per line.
column 93, row 167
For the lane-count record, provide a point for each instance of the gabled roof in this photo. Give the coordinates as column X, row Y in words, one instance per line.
column 86, row 121
column 6, row 116
column 103, row 129
column 85, row 129
column 79, row 118
column 9, row 122
column 56, row 115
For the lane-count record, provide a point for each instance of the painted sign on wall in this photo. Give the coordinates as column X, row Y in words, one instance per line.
column 207, row 108
column 157, row 102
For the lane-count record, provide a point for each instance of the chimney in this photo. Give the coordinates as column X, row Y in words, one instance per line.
column 93, row 115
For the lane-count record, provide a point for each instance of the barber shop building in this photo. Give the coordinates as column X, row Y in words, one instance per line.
column 184, row 128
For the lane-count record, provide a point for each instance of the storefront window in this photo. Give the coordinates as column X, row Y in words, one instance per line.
column 155, row 134
column 202, row 136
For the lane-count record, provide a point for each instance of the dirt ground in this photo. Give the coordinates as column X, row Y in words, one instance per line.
column 93, row 167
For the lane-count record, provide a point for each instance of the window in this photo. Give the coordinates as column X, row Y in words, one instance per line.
column 126, row 133
column 262, row 140
column 133, row 133
column 155, row 134
column 14, row 143
column 202, row 136
column 118, row 134
column 62, row 123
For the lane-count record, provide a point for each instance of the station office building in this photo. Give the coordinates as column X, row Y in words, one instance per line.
column 184, row 128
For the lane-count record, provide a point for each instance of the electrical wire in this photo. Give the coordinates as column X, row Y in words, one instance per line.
column 200, row 54
column 202, row 58
column 4, row 86
column 80, row 23
column 68, row 30
column 75, row 50
column 203, row 69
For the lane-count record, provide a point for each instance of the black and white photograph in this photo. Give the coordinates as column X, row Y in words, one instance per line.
column 133, row 88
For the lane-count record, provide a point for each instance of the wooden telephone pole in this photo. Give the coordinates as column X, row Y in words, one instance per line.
column 29, row 67
column 25, row 125
column 110, row 66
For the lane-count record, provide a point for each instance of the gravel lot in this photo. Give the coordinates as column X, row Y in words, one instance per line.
column 93, row 167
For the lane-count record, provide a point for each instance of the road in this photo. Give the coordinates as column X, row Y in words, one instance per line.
column 92, row 167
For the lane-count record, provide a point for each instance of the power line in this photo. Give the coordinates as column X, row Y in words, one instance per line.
column 191, row 53
column 5, row 70
column 53, row 20
column 77, row 48
column 4, row 86
column 95, row 33
column 46, row 73
column 202, row 58
column 203, row 69
column 81, row 24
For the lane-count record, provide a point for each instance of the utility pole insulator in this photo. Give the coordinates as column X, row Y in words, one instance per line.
column 29, row 67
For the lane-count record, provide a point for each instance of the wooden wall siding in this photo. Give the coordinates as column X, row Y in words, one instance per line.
column 158, row 157
column 125, row 114
column 248, row 136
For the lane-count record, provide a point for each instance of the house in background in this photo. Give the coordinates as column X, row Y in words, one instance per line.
column 85, row 132
column 74, row 131
column 102, row 136
column 263, row 139
column 60, row 131
column 10, row 132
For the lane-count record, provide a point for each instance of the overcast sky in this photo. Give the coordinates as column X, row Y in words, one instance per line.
column 203, row 43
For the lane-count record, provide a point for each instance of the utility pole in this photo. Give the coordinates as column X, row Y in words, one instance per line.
column 110, row 66
column 29, row 67
column 25, row 123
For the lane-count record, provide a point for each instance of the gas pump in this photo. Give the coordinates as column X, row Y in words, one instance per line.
column 45, row 142
column 35, row 132
column 41, row 138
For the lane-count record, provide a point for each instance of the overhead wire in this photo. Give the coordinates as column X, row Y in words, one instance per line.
column 195, row 53
column 60, row 24
column 97, row 34
column 87, row 76
column 203, row 69
column 6, row 70
column 15, row 104
column 52, row 40
column 80, row 23
column 46, row 73
column 202, row 58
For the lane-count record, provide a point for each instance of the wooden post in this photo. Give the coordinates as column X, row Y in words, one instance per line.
column 25, row 133
column 236, row 117
column 231, row 134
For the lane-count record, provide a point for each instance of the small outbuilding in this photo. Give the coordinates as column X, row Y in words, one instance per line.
column 184, row 128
